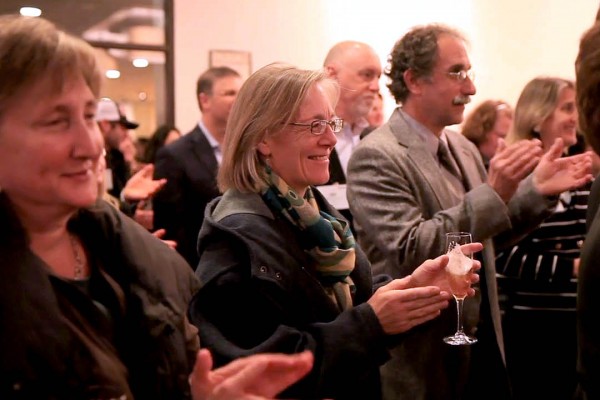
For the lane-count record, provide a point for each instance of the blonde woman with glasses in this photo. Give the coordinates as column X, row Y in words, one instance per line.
column 281, row 271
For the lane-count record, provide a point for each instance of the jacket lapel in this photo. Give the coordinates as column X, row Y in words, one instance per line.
column 421, row 157
column 203, row 150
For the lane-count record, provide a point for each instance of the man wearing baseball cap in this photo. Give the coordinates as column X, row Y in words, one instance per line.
column 114, row 126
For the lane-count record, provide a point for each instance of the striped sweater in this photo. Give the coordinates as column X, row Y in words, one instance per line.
column 547, row 253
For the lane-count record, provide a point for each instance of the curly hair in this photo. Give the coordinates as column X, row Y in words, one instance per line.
column 587, row 69
column 418, row 51
column 482, row 120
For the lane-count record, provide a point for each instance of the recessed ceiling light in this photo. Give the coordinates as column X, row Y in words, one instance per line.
column 140, row 63
column 113, row 74
column 30, row 11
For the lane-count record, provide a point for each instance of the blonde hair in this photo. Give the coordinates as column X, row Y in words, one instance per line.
column 537, row 101
column 269, row 100
column 33, row 48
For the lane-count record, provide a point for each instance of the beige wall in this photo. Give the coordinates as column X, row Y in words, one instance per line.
column 512, row 41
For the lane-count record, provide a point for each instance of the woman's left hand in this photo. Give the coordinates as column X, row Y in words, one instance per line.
column 256, row 377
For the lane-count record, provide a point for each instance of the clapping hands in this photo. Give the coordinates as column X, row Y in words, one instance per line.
column 256, row 377
column 555, row 174
column 141, row 186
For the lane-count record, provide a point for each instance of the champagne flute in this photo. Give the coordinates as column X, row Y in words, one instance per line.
column 457, row 272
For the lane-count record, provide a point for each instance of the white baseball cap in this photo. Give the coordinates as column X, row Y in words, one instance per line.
column 108, row 110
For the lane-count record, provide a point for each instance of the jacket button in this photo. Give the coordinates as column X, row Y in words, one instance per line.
column 278, row 276
column 263, row 269
column 16, row 386
column 558, row 246
column 580, row 243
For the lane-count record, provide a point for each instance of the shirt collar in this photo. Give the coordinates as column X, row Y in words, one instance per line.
column 430, row 140
column 211, row 139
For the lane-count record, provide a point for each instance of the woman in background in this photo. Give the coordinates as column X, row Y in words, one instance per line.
column 162, row 136
column 546, row 261
column 487, row 123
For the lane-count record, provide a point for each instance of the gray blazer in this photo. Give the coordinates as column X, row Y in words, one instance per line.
column 402, row 209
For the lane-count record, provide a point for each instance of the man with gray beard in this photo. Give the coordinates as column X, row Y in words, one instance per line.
column 413, row 180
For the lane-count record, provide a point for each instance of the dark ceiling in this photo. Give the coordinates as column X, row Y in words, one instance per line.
column 76, row 16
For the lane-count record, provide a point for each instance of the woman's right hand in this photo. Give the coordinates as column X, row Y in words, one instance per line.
column 400, row 307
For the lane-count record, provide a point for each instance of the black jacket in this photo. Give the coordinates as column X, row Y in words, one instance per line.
column 260, row 295
column 190, row 167
column 37, row 353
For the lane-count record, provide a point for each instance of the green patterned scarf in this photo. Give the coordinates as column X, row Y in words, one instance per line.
column 329, row 240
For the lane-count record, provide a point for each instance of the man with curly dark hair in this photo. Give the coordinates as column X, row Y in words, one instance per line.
column 413, row 180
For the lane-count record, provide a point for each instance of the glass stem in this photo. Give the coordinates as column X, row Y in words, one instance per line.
column 459, row 311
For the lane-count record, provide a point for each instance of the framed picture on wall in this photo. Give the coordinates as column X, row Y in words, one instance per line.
column 241, row 61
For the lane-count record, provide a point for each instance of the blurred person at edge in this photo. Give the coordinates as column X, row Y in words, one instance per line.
column 92, row 305
column 587, row 68
column 279, row 265
column 488, row 122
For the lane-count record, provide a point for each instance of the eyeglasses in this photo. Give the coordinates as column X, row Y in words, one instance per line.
column 462, row 76
column 317, row 127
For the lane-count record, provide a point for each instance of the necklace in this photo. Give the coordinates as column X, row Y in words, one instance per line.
column 78, row 272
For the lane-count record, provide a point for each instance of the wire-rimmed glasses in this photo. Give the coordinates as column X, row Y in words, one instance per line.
column 318, row 126
column 462, row 75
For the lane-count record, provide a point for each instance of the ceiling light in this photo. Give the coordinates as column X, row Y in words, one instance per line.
column 140, row 63
column 113, row 74
column 30, row 11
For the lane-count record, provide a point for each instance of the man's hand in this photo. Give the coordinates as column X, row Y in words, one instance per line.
column 141, row 186
column 511, row 164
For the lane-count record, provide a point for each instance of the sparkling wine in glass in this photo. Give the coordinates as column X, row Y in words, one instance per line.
column 457, row 272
